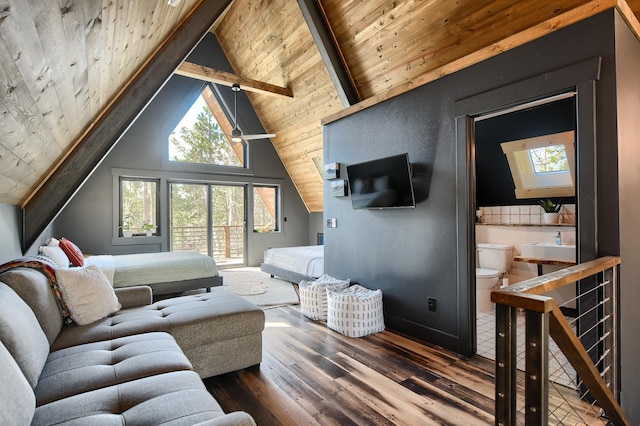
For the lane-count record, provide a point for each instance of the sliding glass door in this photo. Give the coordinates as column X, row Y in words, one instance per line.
column 209, row 219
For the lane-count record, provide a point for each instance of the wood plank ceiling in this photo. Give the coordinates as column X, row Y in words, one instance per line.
column 63, row 62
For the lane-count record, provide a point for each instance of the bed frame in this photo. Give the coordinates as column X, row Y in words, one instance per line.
column 276, row 271
column 185, row 285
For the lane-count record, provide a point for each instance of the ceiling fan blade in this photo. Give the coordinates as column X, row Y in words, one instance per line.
column 263, row 136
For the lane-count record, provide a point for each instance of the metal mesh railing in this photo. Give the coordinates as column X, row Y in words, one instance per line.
column 569, row 378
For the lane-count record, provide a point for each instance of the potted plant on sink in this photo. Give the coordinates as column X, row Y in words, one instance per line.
column 148, row 228
column 551, row 211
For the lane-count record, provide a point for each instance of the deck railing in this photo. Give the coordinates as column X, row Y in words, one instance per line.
column 592, row 323
column 228, row 240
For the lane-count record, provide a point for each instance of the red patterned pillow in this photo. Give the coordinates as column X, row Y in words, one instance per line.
column 72, row 251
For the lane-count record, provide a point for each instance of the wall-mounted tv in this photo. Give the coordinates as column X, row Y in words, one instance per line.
column 381, row 184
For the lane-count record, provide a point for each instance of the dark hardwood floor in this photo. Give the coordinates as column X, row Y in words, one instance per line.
column 313, row 375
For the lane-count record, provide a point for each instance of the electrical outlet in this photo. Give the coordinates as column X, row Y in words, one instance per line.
column 432, row 304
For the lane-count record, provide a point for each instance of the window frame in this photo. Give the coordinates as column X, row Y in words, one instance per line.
column 527, row 183
column 223, row 117
column 157, row 222
column 277, row 206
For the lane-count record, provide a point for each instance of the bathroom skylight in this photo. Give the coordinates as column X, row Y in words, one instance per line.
column 549, row 159
column 542, row 166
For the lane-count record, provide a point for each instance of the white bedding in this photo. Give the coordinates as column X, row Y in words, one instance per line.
column 149, row 268
column 305, row 260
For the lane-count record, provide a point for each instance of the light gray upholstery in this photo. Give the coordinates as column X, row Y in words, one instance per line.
column 134, row 366
column 134, row 296
column 17, row 402
column 34, row 288
column 21, row 334
column 215, row 324
column 177, row 398
column 83, row 368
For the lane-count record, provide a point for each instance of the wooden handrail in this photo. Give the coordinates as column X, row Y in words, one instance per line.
column 528, row 294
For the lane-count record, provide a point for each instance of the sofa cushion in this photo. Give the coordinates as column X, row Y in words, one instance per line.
column 21, row 334
column 87, row 293
column 34, row 288
column 177, row 398
column 92, row 366
column 17, row 402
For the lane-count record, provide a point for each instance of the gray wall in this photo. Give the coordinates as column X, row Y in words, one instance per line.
column 10, row 226
column 627, row 65
column 415, row 254
column 89, row 219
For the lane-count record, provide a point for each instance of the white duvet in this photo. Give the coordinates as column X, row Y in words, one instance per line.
column 305, row 260
column 148, row 268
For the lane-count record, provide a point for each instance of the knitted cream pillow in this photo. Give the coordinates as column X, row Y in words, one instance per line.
column 87, row 293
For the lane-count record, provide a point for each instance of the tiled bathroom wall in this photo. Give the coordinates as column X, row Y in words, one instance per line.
column 523, row 215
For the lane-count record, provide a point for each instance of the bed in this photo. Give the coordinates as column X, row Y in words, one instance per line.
column 164, row 272
column 294, row 263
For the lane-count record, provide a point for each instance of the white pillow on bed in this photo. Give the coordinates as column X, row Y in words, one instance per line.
column 56, row 254
column 87, row 293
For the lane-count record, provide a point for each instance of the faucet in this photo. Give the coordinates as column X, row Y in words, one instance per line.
column 559, row 238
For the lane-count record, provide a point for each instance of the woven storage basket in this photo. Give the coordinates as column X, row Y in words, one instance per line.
column 313, row 295
column 355, row 311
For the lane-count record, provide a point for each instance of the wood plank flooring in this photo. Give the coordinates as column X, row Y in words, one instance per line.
column 311, row 375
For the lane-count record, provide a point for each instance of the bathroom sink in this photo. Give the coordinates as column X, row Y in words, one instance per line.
column 549, row 251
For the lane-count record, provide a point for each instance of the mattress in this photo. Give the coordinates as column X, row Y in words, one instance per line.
column 149, row 268
column 304, row 260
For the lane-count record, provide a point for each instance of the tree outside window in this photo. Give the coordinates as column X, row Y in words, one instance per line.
column 138, row 206
column 200, row 135
column 265, row 209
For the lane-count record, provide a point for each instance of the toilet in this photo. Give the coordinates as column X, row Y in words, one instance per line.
column 493, row 261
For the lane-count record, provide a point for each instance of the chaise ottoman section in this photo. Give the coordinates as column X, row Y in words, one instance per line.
column 219, row 332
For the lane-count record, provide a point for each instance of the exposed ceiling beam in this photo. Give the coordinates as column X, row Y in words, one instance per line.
column 102, row 134
column 330, row 52
column 200, row 72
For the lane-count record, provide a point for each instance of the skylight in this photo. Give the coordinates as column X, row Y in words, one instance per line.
column 542, row 166
column 549, row 159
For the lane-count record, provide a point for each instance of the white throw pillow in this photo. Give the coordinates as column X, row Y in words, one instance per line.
column 56, row 254
column 87, row 293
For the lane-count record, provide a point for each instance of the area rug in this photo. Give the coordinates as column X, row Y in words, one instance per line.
column 259, row 288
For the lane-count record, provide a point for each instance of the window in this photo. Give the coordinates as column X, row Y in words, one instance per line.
column 265, row 209
column 138, row 207
column 542, row 166
column 200, row 136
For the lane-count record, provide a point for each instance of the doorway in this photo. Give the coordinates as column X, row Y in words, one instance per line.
column 579, row 78
column 209, row 219
column 510, row 184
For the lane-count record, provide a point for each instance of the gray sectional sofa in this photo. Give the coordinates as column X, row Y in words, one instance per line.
column 142, row 365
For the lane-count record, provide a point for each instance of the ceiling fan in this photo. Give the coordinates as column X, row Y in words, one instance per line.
column 236, row 134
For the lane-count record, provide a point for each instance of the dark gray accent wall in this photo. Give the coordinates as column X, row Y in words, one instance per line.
column 494, row 181
column 89, row 219
column 426, row 252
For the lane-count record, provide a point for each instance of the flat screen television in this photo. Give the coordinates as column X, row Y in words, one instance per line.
column 384, row 183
